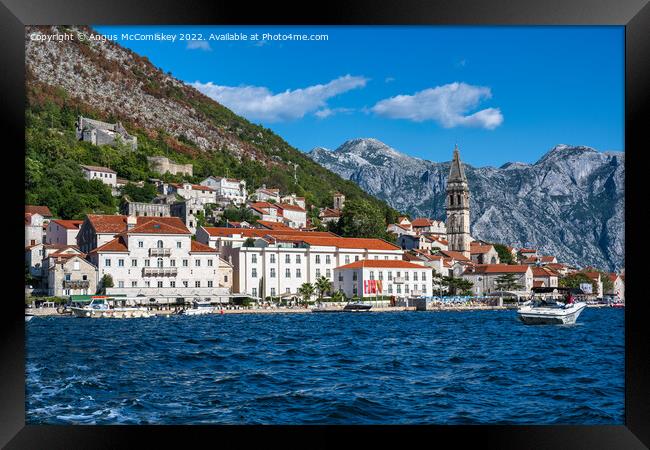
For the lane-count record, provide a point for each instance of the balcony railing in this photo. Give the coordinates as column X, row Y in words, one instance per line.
column 159, row 271
column 76, row 284
column 160, row 251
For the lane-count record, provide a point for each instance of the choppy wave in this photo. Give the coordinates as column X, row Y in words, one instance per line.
column 417, row 368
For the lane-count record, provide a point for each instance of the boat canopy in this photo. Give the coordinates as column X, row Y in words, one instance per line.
column 551, row 289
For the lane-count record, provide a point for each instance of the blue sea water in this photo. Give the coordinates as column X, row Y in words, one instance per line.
column 469, row 367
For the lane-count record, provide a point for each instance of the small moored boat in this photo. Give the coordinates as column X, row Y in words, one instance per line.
column 199, row 308
column 357, row 306
column 546, row 311
column 99, row 308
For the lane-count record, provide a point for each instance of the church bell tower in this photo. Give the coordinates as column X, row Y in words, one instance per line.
column 458, row 207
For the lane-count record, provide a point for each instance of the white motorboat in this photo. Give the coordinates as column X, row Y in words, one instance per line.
column 199, row 308
column 541, row 311
column 356, row 306
column 28, row 317
column 98, row 308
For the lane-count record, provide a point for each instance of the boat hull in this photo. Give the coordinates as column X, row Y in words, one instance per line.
column 198, row 312
column 28, row 317
column 550, row 316
column 117, row 313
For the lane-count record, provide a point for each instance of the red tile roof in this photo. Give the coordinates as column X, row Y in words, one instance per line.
column 422, row 222
column 274, row 225
column 42, row 210
column 341, row 242
column 592, row 275
column 116, row 245
column 68, row 224
column 117, row 224
column 198, row 247
column 330, row 212
column 157, row 227
column 258, row 232
column 542, row 272
column 458, row 256
column 476, row 248
column 527, row 250
column 538, row 283
column 291, row 207
column 382, row 264
column 500, row 268
column 547, row 258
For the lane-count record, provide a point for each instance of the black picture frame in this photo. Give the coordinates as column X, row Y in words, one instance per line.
column 633, row 14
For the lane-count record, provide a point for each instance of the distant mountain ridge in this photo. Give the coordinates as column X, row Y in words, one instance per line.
column 570, row 203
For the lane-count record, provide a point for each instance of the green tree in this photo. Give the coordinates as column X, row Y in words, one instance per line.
column 574, row 280
column 505, row 256
column 249, row 242
column 143, row 194
column 507, row 282
column 338, row 296
column 306, row 290
column 457, row 286
column 323, row 285
column 360, row 218
column 105, row 282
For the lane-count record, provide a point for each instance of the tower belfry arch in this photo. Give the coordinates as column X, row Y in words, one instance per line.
column 457, row 206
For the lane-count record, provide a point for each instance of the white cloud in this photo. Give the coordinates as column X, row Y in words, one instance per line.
column 259, row 103
column 388, row 79
column 327, row 112
column 447, row 105
column 200, row 45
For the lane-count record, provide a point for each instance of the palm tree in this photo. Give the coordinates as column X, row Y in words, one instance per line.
column 306, row 290
column 338, row 296
column 323, row 285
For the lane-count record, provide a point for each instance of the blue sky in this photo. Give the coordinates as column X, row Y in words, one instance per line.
column 502, row 93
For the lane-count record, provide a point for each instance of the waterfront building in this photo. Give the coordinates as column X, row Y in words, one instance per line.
column 457, row 205
column 158, row 258
column 368, row 278
column 162, row 165
column 103, row 174
column 204, row 194
column 278, row 262
column 438, row 263
column 224, row 239
column 61, row 231
column 485, row 276
column 70, row 274
column 227, row 189
column 103, row 133
column 98, row 229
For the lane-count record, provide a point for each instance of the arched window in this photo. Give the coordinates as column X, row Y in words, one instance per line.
column 458, row 199
column 160, row 262
column 451, row 200
column 160, row 244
